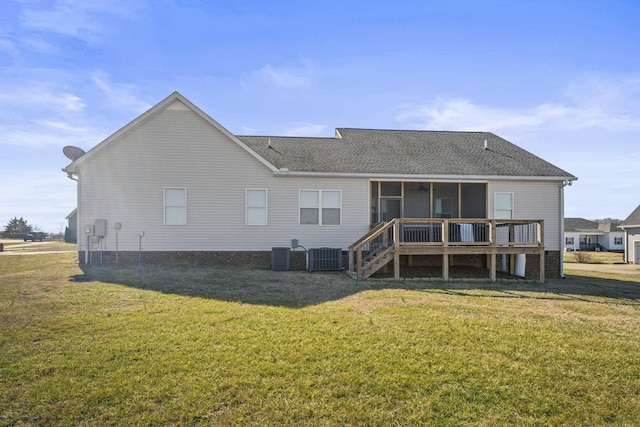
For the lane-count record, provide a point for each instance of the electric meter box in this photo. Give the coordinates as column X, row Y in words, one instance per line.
column 100, row 228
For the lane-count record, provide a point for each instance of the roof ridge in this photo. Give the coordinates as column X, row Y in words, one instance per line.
column 417, row 130
column 285, row 137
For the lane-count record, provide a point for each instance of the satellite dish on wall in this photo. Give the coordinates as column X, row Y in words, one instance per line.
column 73, row 153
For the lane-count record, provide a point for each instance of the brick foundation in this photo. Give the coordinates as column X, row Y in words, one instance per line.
column 298, row 260
column 532, row 266
column 249, row 259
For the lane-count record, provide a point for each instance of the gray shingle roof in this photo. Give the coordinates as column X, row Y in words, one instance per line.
column 403, row 152
column 609, row 227
column 585, row 225
column 633, row 219
column 580, row 224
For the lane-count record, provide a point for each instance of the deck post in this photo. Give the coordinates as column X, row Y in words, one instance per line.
column 351, row 263
column 445, row 256
column 492, row 269
column 542, row 264
column 445, row 266
column 359, row 270
column 396, row 247
column 492, row 232
column 541, row 240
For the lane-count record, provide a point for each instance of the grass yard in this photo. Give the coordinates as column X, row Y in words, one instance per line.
column 20, row 246
column 201, row 346
column 594, row 257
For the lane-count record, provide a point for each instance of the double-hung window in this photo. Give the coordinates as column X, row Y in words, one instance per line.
column 320, row 207
column 503, row 205
column 256, row 206
column 175, row 206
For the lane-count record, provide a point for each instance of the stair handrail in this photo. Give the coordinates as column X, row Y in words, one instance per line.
column 377, row 227
column 357, row 246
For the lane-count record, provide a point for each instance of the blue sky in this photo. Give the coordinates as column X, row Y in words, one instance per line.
column 558, row 78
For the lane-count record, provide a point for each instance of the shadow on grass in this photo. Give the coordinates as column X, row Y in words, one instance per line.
column 296, row 289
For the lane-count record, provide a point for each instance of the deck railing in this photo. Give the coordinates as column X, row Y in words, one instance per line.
column 406, row 233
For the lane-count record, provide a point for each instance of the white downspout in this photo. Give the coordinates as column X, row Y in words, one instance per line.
column 564, row 184
column 562, row 230
column 626, row 246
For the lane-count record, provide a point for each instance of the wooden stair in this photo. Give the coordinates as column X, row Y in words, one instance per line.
column 377, row 262
column 372, row 251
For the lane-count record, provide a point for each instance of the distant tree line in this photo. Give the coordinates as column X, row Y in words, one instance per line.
column 16, row 228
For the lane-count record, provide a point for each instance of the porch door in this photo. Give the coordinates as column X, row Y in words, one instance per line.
column 390, row 208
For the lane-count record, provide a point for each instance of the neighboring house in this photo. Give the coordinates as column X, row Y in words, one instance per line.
column 175, row 186
column 583, row 235
column 631, row 227
column 71, row 232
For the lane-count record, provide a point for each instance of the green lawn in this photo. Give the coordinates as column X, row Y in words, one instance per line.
column 197, row 346
column 594, row 257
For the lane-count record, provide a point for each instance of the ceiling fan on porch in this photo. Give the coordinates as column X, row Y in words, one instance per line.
column 423, row 188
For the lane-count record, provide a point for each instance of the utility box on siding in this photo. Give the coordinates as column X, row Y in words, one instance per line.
column 325, row 259
column 100, row 228
column 280, row 259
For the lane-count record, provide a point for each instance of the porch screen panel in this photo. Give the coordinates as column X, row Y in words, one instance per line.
column 391, row 189
column 416, row 200
column 474, row 200
column 445, row 201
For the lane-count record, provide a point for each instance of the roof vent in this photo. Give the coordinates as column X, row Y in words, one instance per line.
column 485, row 144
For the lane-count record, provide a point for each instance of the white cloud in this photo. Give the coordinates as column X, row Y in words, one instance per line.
column 78, row 18
column 120, row 95
column 305, row 129
column 8, row 44
column 49, row 133
column 40, row 45
column 595, row 103
column 288, row 77
column 43, row 197
column 247, row 130
column 42, row 95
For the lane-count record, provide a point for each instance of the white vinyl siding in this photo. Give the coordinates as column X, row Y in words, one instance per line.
column 320, row 207
column 256, row 206
column 175, row 206
column 125, row 183
column 572, row 241
column 533, row 200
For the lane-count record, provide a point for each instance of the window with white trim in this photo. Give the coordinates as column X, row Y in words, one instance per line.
column 175, row 206
column 503, row 205
column 256, row 206
column 617, row 240
column 320, row 207
column 568, row 241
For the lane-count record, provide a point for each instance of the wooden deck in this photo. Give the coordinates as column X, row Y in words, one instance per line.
column 387, row 242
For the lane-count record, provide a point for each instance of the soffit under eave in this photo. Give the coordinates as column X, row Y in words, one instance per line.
column 284, row 172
